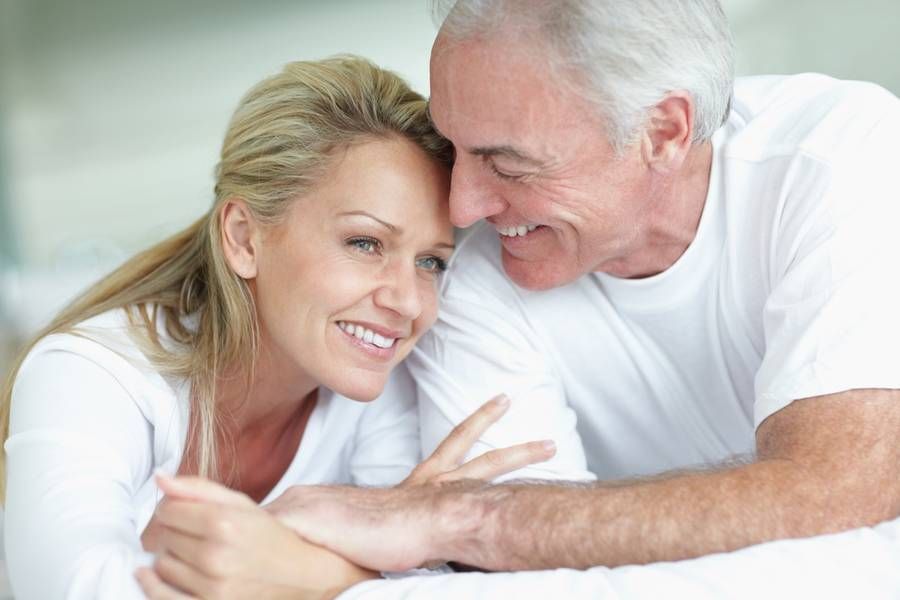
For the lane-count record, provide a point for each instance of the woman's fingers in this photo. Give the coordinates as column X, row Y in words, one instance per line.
column 197, row 519
column 187, row 549
column 502, row 461
column 444, row 463
column 451, row 452
column 155, row 588
column 174, row 571
column 201, row 490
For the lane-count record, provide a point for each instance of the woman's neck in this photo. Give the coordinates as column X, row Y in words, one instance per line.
column 269, row 397
column 265, row 419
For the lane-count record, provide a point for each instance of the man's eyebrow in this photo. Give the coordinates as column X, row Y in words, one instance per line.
column 362, row 213
column 507, row 151
column 501, row 150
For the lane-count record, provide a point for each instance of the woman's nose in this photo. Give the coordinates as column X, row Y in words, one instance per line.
column 400, row 293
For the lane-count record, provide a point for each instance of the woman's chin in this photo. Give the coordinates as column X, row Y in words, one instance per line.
column 362, row 391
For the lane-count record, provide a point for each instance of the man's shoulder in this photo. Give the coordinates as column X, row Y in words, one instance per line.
column 809, row 113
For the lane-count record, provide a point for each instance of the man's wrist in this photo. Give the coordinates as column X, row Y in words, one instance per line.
column 462, row 521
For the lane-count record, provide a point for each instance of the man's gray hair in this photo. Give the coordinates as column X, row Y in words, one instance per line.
column 631, row 52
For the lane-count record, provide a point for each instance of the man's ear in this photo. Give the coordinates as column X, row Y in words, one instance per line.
column 239, row 237
column 669, row 131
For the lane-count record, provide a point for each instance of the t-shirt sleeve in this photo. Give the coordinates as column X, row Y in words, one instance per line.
column 832, row 319
column 78, row 448
column 861, row 563
column 482, row 347
column 386, row 445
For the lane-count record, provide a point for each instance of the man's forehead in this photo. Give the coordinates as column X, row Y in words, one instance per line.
column 499, row 120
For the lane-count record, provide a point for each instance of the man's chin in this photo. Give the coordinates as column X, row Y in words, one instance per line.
column 536, row 276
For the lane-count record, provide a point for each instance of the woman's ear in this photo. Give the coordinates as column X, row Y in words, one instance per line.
column 239, row 238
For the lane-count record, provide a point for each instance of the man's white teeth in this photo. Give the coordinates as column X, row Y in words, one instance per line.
column 516, row 230
column 366, row 335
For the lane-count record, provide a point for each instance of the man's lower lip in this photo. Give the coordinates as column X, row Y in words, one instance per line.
column 371, row 350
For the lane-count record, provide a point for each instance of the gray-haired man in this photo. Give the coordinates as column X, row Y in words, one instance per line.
column 673, row 269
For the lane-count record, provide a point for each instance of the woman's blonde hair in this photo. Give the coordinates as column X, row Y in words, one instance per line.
column 278, row 143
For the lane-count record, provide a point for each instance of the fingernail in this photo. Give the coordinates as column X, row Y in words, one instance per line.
column 549, row 446
column 502, row 401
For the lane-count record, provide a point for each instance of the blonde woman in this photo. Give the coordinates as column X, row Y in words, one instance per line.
column 248, row 349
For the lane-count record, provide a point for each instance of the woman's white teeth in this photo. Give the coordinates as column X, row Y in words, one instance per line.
column 516, row 230
column 366, row 335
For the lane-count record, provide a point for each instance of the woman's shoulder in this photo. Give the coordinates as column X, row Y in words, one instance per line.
column 104, row 346
column 104, row 339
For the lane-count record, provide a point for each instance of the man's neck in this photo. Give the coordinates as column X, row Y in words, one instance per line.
column 670, row 228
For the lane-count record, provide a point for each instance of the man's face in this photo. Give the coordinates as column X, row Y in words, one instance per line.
column 532, row 158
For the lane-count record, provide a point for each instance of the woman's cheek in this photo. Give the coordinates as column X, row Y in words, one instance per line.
column 429, row 314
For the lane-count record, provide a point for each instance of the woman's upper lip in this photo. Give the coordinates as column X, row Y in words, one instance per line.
column 379, row 329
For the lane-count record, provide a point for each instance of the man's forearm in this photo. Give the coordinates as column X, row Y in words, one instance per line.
column 825, row 464
column 516, row 527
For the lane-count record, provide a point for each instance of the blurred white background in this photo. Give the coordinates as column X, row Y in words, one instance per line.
column 112, row 111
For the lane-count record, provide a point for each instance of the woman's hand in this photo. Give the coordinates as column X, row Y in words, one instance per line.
column 446, row 462
column 215, row 543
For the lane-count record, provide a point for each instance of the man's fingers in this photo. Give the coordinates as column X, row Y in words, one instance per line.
column 502, row 461
column 155, row 588
column 453, row 449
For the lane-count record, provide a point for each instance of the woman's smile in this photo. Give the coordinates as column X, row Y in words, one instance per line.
column 375, row 342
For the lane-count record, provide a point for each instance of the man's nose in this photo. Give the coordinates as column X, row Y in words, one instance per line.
column 472, row 196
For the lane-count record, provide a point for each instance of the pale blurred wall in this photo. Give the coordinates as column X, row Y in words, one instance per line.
column 115, row 109
column 858, row 39
column 112, row 111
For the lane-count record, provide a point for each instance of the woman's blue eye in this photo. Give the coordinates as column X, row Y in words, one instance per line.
column 433, row 264
column 365, row 244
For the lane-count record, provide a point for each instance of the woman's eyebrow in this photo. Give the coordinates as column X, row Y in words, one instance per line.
column 361, row 213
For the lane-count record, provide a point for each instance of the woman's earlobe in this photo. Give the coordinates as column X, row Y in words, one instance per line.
column 238, row 238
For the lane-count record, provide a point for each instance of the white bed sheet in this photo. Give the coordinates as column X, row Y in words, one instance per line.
column 862, row 563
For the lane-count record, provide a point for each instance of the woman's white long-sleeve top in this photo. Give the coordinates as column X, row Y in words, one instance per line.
column 92, row 419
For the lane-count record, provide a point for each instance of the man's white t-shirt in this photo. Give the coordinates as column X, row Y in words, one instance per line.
column 92, row 420
column 790, row 290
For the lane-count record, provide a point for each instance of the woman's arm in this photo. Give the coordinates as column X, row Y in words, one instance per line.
column 216, row 543
column 78, row 449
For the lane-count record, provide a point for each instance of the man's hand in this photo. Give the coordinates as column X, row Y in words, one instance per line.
column 216, row 543
column 357, row 523
column 384, row 529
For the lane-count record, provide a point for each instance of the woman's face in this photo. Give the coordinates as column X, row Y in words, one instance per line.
column 347, row 283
